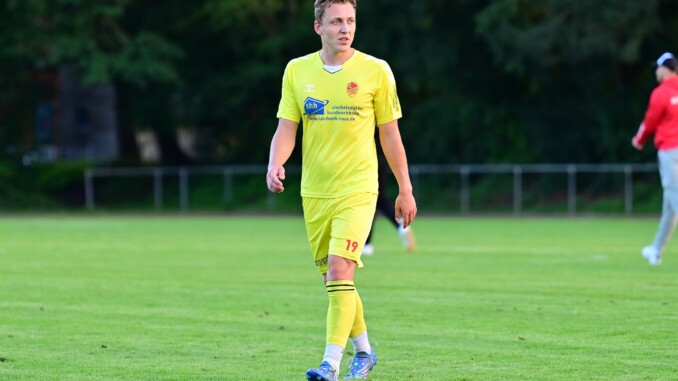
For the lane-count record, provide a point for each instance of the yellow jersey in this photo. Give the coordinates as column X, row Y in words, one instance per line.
column 338, row 112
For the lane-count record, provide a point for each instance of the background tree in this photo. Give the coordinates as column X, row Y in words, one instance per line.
column 582, row 71
column 43, row 34
column 479, row 80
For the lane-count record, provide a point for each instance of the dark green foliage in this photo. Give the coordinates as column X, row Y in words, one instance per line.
column 501, row 81
column 41, row 187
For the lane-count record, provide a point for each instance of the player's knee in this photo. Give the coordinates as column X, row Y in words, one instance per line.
column 340, row 268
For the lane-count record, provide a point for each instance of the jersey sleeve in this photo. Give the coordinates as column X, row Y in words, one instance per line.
column 653, row 115
column 288, row 108
column 386, row 103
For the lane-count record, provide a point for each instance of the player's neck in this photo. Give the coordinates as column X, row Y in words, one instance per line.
column 663, row 78
column 335, row 58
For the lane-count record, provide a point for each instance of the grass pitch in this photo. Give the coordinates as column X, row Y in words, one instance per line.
column 238, row 298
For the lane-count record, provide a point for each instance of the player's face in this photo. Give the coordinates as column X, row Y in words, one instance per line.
column 662, row 73
column 337, row 27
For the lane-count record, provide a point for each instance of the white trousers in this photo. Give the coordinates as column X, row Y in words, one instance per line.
column 668, row 170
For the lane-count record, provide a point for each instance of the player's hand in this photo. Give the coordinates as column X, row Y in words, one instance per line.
column 405, row 208
column 274, row 178
column 636, row 144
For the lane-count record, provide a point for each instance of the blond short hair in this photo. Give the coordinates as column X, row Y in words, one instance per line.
column 321, row 5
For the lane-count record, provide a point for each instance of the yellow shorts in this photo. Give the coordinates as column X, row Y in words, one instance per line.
column 338, row 226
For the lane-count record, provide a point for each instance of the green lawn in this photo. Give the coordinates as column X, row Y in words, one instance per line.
column 238, row 298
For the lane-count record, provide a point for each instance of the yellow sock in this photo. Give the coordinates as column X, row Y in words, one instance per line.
column 341, row 311
column 358, row 334
column 359, row 321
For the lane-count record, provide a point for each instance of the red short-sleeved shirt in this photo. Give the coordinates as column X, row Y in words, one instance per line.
column 661, row 117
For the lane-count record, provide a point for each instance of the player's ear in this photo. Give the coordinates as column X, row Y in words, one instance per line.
column 316, row 27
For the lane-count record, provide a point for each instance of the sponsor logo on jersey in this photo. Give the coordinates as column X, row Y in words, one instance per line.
column 309, row 88
column 352, row 89
column 314, row 106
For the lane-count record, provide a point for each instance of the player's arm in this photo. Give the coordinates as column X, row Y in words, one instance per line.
column 652, row 117
column 392, row 144
column 282, row 146
column 636, row 140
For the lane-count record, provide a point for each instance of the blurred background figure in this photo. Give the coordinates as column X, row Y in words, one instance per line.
column 661, row 119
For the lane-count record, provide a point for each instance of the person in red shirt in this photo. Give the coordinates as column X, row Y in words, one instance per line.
column 661, row 119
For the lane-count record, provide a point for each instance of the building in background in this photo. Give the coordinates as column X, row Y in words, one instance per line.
column 75, row 121
column 88, row 122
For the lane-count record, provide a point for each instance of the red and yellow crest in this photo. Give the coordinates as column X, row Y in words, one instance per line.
column 352, row 89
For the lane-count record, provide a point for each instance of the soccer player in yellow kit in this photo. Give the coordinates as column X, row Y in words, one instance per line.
column 339, row 94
